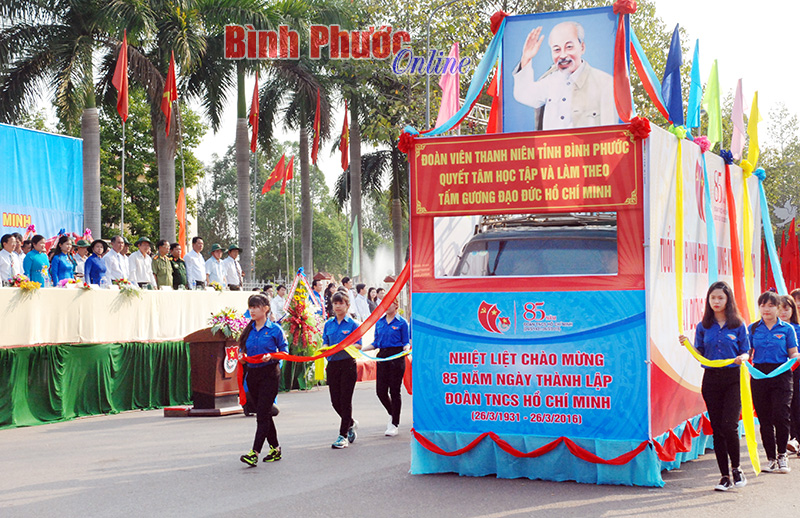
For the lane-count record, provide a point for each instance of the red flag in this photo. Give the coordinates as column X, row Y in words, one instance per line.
column 276, row 175
column 782, row 255
column 254, row 117
column 792, row 277
column 180, row 211
column 315, row 145
column 170, row 92
column 120, row 80
column 493, row 124
column 344, row 141
column 288, row 175
column 736, row 251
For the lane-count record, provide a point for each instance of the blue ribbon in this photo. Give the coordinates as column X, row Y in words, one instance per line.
column 727, row 156
column 711, row 231
column 475, row 87
column 769, row 236
column 757, row 374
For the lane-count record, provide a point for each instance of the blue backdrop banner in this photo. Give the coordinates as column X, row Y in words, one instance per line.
column 41, row 181
column 544, row 364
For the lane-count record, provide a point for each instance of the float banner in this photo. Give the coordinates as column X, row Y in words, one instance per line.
column 41, row 181
column 568, row 83
column 579, row 170
column 542, row 364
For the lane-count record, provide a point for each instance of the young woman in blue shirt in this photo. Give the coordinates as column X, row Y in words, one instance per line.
column 787, row 311
column 722, row 335
column 391, row 338
column 62, row 265
column 36, row 264
column 772, row 342
column 94, row 270
column 341, row 371
column 262, row 336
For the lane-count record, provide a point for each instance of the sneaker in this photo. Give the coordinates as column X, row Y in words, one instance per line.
column 772, row 467
column 783, row 464
column 273, row 455
column 792, row 446
column 739, row 480
column 251, row 458
column 724, row 484
column 340, row 442
column 351, row 433
column 391, row 430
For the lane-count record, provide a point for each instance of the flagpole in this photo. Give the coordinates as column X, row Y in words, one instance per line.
column 286, row 234
column 122, row 193
column 293, row 239
column 255, row 204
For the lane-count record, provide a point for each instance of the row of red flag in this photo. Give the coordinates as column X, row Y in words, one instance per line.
column 789, row 254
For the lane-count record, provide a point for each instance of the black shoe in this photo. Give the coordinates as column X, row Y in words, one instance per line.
column 724, row 484
column 739, row 480
column 250, row 458
column 273, row 455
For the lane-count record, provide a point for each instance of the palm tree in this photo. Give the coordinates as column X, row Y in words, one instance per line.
column 52, row 42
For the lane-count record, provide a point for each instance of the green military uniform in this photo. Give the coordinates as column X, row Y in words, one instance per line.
column 162, row 269
column 179, row 277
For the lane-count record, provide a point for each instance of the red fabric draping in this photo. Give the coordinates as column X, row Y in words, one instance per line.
column 407, row 376
column 622, row 79
column 573, row 448
column 736, row 252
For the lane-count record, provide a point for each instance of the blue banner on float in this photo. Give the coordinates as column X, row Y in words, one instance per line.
column 41, row 181
column 545, row 364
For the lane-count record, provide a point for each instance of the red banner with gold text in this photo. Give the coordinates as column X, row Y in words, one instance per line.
column 587, row 169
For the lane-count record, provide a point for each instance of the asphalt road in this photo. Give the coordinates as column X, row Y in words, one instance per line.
column 142, row 464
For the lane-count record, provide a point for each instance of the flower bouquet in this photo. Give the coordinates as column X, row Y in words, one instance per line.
column 17, row 280
column 217, row 286
column 228, row 322
column 303, row 332
column 73, row 284
column 127, row 288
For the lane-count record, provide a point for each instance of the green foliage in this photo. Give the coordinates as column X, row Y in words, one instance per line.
column 141, row 170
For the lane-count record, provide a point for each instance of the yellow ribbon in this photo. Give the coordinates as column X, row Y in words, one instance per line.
column 679, row 238
column 747, row 240
column 747, row 401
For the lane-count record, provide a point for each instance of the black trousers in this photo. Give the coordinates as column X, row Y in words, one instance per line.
column 342, row 376
column 795, row 413
column 721, row 393
column 389, row 379
column 234, row 287
column 772, row 399
column 262, row 386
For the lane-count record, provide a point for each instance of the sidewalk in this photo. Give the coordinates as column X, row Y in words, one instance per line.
column 142, row 464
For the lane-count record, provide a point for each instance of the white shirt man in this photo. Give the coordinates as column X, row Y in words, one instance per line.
column 360, row 305
column 195, row 264
column 10, row 265
column 82, row 247
column 278, row 302
column 233, row 271
column 141, row 264
column 214, row 267
column 116, row 263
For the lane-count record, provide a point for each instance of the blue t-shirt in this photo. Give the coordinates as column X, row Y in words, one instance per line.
column 36, row 266
column 391, row 334
column 334, row 332
column 94, row 269
column 721, row 343
column 268, row 339
column 62, row 267
column 771, row 345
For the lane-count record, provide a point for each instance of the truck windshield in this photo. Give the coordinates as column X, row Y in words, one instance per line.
column 540, row 255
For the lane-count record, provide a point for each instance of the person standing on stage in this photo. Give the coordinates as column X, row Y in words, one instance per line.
column 116, row 262
column 233, row 271
column 179, row 278
column 195, row 264
column 162, row 265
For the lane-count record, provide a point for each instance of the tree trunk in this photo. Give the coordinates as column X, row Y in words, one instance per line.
column 397, row 209
column 243, row 196
column 306, row 213
column 165, row 153
column 90, row 132
column 355, row 183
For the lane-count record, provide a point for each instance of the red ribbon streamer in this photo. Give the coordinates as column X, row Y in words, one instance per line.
column 350, row 339
column 622, row 80
column 736, row 252
column 573, row 448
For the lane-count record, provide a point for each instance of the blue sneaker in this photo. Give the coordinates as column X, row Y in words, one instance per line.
column 351, row 433
column 339, row 443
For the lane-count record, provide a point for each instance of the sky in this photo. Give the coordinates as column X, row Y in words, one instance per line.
column 752, row 43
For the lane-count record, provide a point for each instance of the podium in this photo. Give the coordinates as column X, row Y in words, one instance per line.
column 213, row 360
